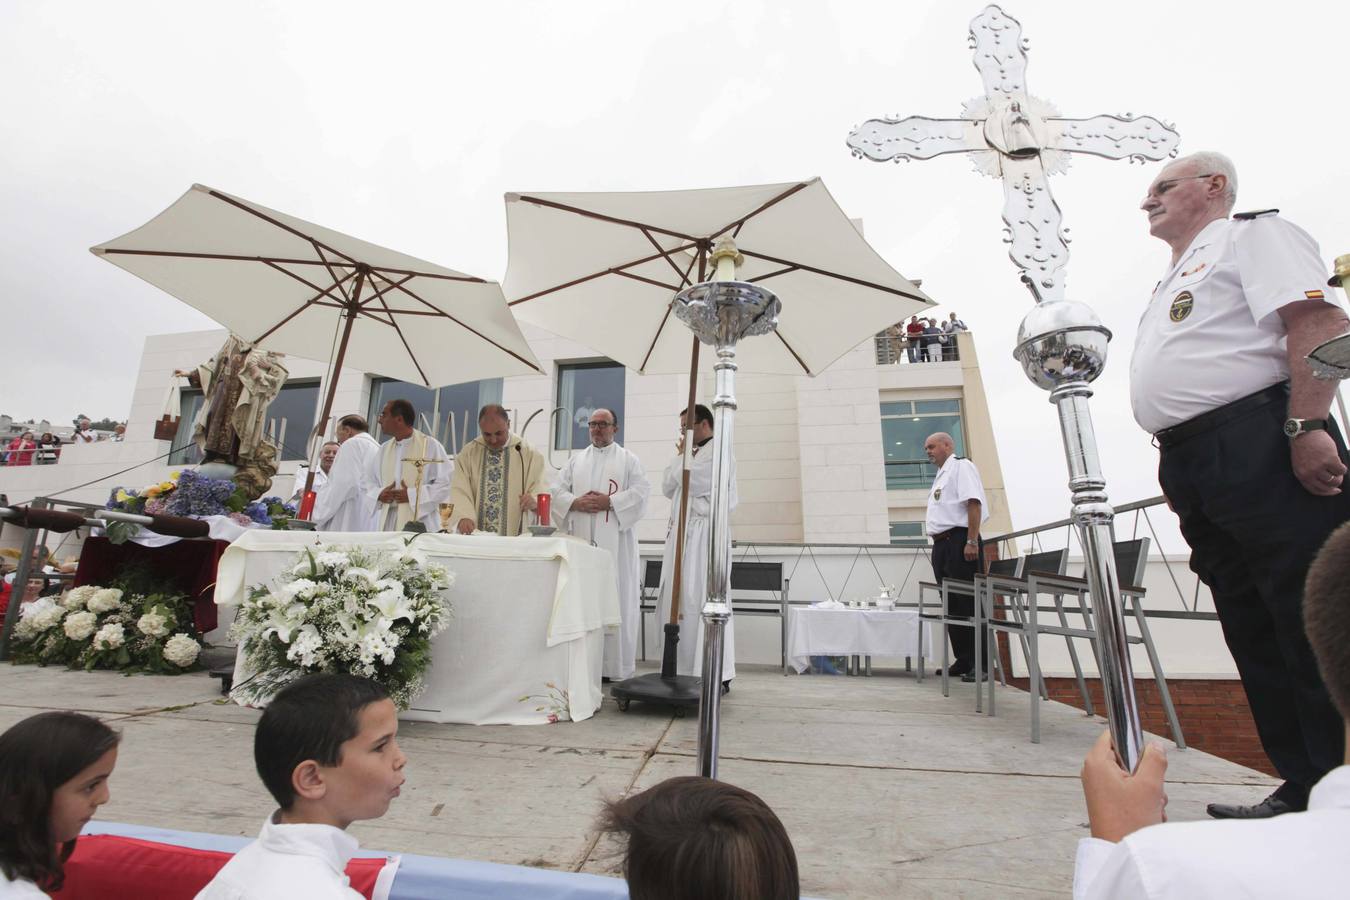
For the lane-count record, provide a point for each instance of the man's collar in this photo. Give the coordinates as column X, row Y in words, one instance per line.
column 704, row 441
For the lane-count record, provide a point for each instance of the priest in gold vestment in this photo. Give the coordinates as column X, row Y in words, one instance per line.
column 497, row 478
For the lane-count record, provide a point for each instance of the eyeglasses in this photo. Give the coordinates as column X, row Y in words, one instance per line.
column 599, row 424
column 1163, row 187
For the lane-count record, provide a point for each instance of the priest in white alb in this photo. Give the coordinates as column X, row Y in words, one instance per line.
column 694, row 574
column 347, row 502
column 394, row 481
column 601, row 495
column 498, row 478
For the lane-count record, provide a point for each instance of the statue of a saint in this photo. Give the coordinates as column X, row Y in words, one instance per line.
column 237, row 386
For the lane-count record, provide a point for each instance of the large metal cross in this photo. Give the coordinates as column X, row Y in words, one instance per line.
column 1020, row 138
column 1061, row 343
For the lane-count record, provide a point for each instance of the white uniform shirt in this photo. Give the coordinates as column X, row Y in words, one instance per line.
column 1211, row 334
column 288, row 862
column 345, row 503
column 957, row 483
column 1294, row 855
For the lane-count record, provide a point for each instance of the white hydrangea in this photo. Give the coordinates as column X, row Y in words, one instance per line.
column 76, row 598
column 79, row 625
column 37, row 617
column 153, row 624
column 104, row 600
column 299, row 588
column 110, row 637
column 306, row 648
column 181, row 650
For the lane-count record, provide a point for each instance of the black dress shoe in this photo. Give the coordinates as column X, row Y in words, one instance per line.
column 957, row 669
column 1268, row 808
column 969, row 677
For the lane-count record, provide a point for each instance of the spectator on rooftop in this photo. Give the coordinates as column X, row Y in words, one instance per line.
column 21, row 450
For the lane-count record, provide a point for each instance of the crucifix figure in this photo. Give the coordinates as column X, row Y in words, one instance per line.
column 1061, row 344
column 1021, row 139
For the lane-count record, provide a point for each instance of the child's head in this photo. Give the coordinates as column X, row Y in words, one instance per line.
column 54, row 770
column 1326, row 617
column 327, row 749
column 693, row 837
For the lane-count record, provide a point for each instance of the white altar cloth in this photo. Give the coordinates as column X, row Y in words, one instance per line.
column 525, row 639
column 813, row 631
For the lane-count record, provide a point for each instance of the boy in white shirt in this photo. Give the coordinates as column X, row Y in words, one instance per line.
column 327, row 749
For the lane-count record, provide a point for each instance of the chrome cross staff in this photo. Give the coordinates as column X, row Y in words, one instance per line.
column 1061, row 344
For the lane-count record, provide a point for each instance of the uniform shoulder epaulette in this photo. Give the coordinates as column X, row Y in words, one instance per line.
column 1254, row 214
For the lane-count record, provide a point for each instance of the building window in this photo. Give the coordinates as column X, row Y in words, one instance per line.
column 450, row 413
column 908, row 534
column 582, row 389
column 905, row 425
column 289, row 419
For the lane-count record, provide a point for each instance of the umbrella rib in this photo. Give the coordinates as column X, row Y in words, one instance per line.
column 652, row 346
column 279, row 224
column 614, row 220
column 466, row 326
column 805, row 369
column 225, row 256
column 331, row 274
column 615, row 270
column 392, row 284
column 302, row 307
column 740, row 223
column 673, row 288
column 399, row 332
column 828, row 274
column 775, row 273
column 666, row 256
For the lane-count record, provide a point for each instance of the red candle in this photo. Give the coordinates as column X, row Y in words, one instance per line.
column 307, row 505
column 544, row 500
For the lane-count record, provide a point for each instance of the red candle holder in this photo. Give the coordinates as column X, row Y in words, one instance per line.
column 306, row 505
column 543, row 509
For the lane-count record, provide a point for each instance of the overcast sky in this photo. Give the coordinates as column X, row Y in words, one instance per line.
column 405, row 123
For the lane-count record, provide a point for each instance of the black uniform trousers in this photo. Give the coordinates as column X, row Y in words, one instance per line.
column 1253, row 531
column 949, row 561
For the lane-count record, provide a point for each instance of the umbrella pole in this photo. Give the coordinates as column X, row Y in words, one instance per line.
column 669, row 654
column 353, row 307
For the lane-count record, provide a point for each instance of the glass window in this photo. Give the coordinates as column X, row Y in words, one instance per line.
column 893, row 408
column 297, row 403
column 290, row 417
column 908, row 534
column 583, row 388
column 185, row 453
column 903, row 434
column 450, row 413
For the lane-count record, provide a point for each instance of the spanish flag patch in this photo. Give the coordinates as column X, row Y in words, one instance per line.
column 1314, row 295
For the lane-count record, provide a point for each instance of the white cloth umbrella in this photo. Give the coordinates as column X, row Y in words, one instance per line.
column 602, row 269
column 308, row 291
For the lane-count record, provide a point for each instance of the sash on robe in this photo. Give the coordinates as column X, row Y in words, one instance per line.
column 417, row 449
column 492, row 490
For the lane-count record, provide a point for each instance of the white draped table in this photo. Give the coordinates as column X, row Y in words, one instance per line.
column 816, row 631
column 524, row 642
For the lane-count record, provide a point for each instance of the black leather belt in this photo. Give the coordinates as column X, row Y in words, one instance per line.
column 950, row 532
column 1170, row 437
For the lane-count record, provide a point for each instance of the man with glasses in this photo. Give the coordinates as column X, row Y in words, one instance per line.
column 600, row 495
column 1249, row 459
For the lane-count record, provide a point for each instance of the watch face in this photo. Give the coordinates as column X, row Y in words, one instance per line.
column 1292, row 427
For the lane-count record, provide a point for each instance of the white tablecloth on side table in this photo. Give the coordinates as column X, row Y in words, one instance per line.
column 853, row 632
column 528, row 613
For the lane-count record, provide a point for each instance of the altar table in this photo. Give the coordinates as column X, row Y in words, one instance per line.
column 814, row 631
column 525, row 639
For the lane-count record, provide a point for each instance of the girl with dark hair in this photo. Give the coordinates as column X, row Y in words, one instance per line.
column 54, row 770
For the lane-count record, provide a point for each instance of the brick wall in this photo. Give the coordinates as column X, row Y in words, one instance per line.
column 1213, row 713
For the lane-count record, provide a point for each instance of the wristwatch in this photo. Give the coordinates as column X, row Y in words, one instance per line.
column 1294, row 427
column 973, row 543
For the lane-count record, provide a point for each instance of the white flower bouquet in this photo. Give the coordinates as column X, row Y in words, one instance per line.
column 371, row 614
column 92, row 627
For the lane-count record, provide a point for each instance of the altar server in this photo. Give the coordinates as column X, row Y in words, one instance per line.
column 498, row 477
column 327, row 749
column 601, row 495
column 694, row 580
column 346, row 502
column 392, row 474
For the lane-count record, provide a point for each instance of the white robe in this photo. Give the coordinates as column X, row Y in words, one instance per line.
column 288, row 862
column 435, row 483
column 614, row 471
column 345, row 503
column 694, row 583
column 301, row 476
